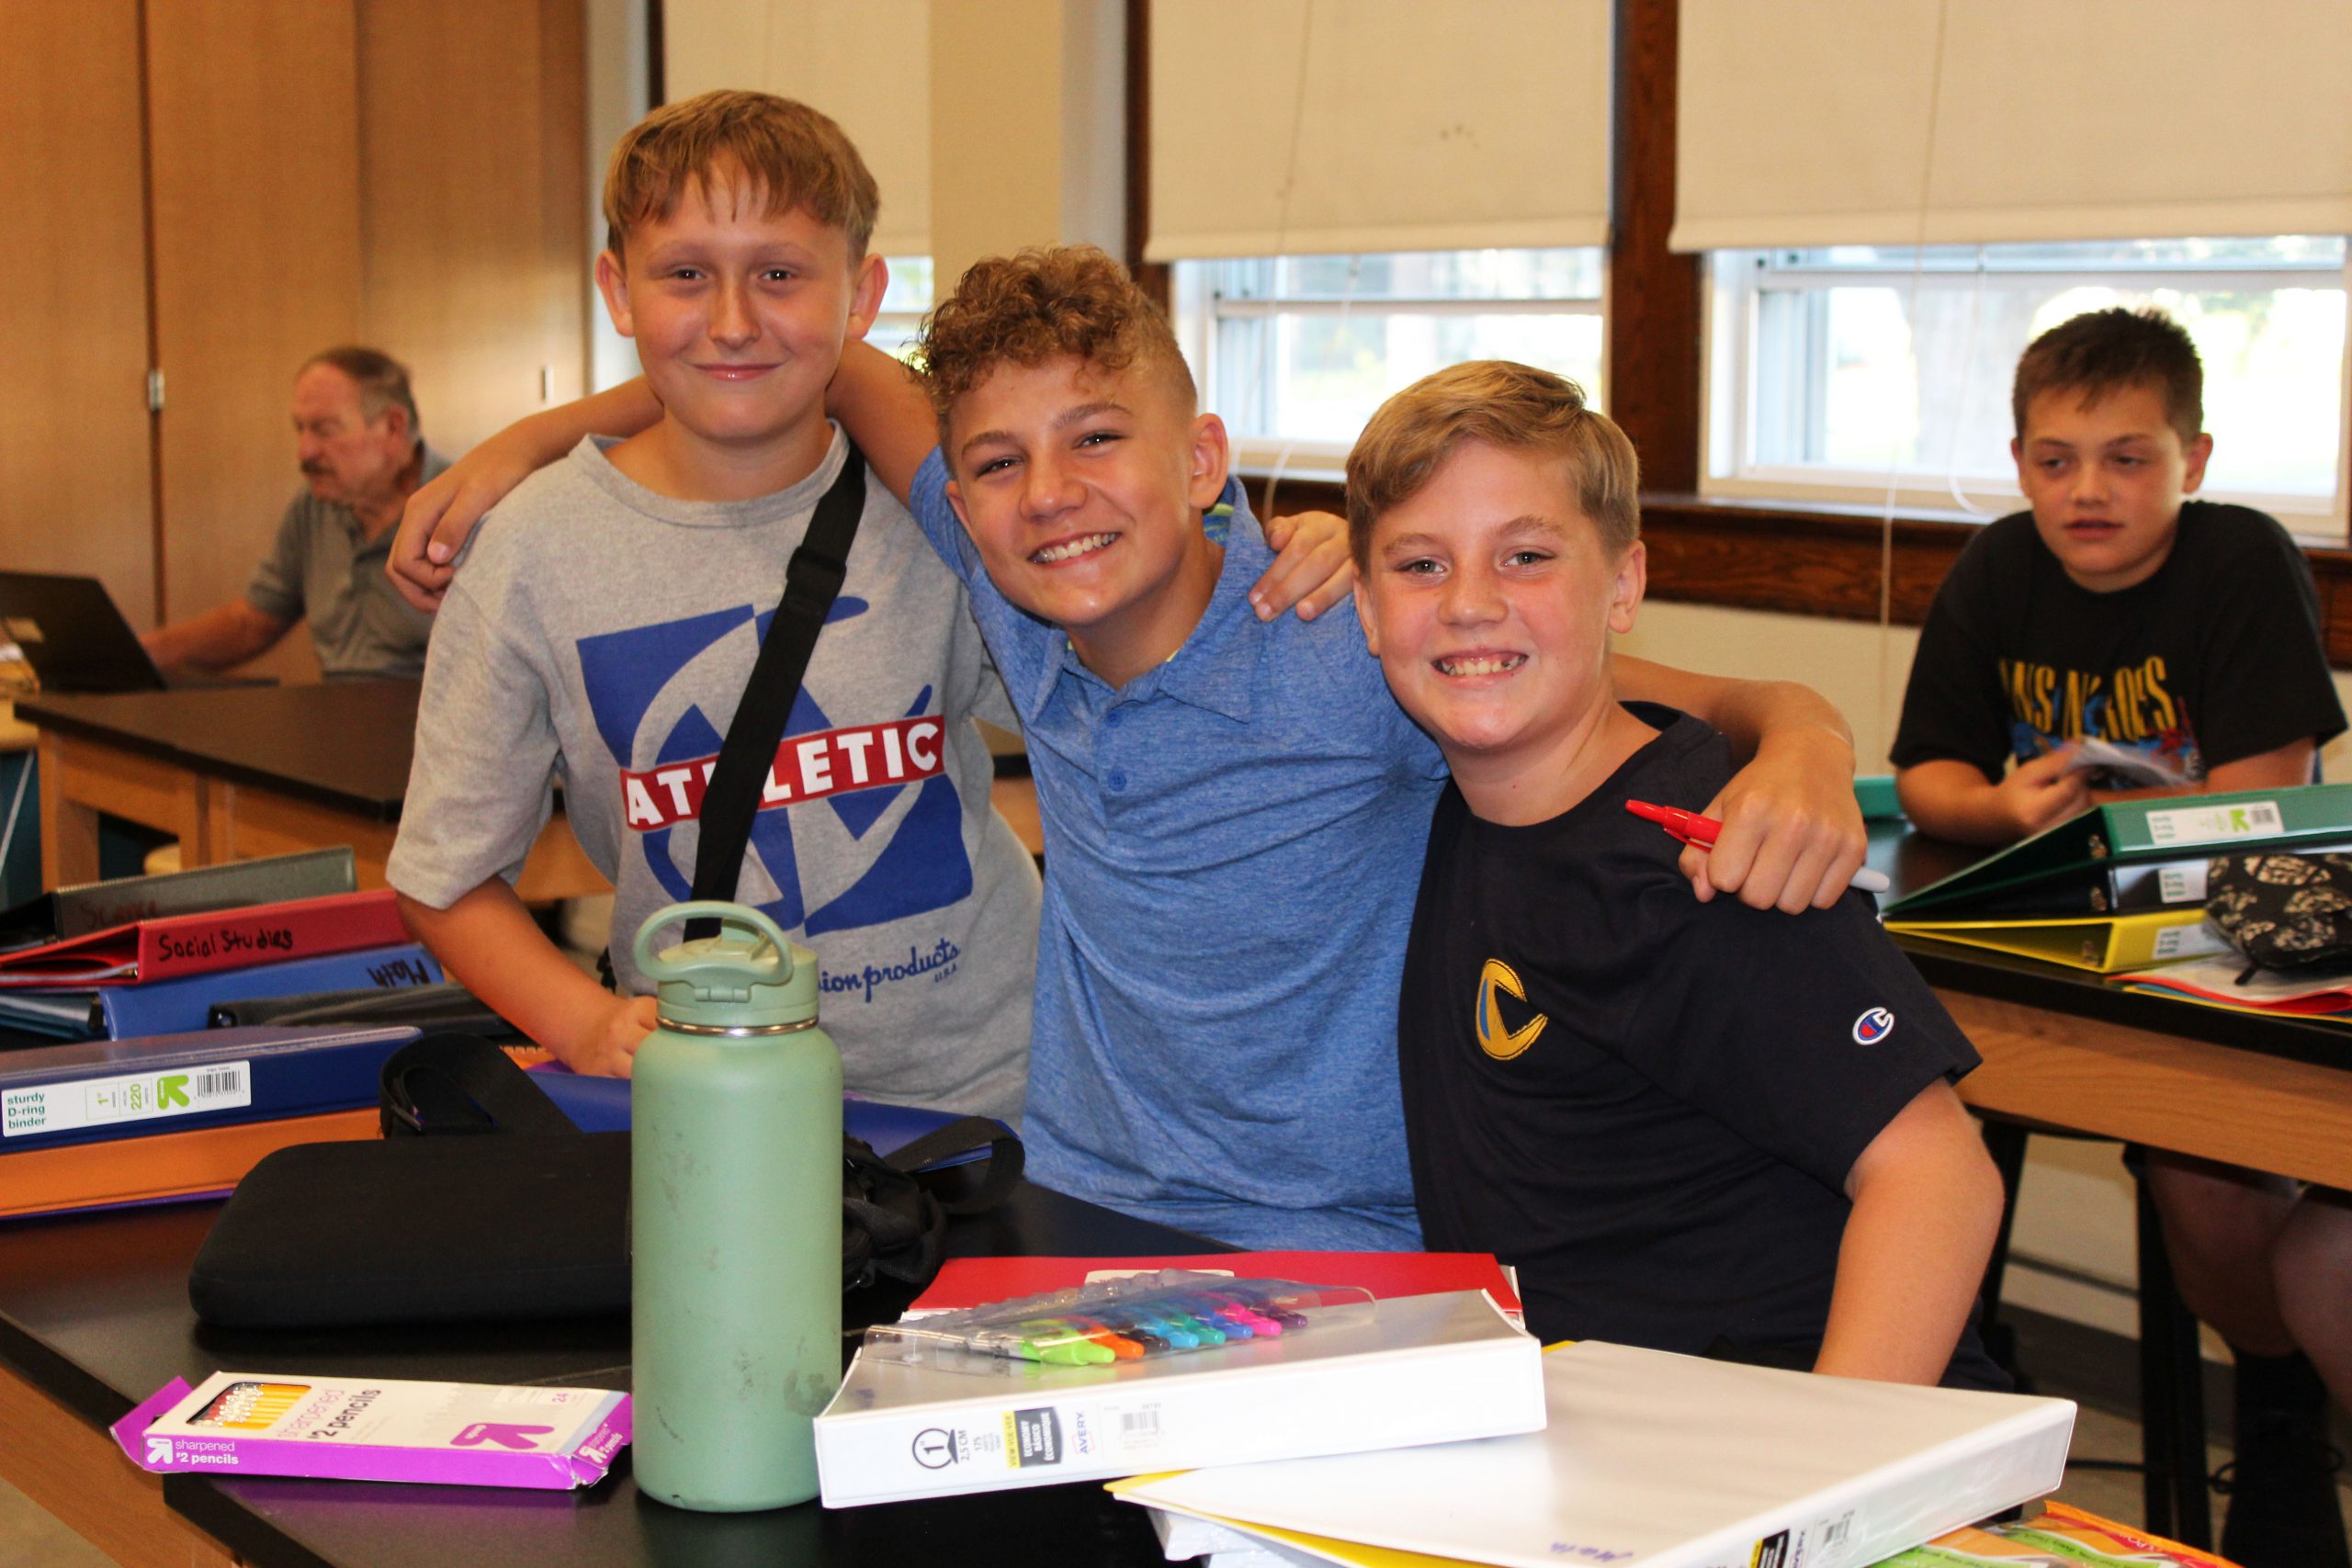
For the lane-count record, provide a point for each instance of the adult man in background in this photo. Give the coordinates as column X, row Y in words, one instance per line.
column 362, row 456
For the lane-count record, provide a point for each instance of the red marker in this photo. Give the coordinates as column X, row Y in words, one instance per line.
column 1694, row 829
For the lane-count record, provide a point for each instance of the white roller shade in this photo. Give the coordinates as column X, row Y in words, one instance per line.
column 864, row 62
column 1811, row 122
column 1321, row 126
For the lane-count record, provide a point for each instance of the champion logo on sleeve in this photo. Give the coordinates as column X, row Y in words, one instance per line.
column 1873, row 1026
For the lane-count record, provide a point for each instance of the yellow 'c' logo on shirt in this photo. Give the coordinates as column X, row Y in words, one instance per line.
column 1494, row 1038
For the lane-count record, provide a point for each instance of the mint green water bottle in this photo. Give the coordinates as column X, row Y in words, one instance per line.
column 735, row 1223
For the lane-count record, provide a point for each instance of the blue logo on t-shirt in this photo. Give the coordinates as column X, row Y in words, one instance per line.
column 1873, row 1026
column 855, row 771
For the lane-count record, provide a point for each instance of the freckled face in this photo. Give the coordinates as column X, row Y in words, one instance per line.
column 740, row 315
column 1490, row 600
column 2106, row 482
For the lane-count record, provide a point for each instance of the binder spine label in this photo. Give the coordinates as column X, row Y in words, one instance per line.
column 130, row 1097
column 2215, row 824
column 2181, row 884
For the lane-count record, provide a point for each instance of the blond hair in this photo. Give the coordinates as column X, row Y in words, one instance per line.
column 1514, row 407
column 790, row 157
column 1041, row 304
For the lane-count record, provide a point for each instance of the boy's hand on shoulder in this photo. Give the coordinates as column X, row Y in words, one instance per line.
column 610, row 1050
column 1312, row 569
column 440, row 517
column 2037, row 793
column 1792, row 834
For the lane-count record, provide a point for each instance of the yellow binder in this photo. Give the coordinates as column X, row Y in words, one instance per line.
column 2102, row 943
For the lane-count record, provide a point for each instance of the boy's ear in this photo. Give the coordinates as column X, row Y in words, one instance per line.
column 611, row 282
column 1212, row 455
column 866, row 295
column 2017, row 456
column 956, row 500
column 2199, row 453
column 1365, row 617
column 1625, row 593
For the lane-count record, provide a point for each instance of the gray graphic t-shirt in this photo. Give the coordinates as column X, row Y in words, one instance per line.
column 601, row 634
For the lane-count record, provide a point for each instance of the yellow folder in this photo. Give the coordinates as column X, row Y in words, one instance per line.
column 2103, row 943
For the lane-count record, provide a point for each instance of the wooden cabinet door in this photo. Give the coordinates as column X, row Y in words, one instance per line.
column 77, row 479
column 471, row 154
column 254, row 130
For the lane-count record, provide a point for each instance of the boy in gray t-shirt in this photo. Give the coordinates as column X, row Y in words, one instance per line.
column 605, row 628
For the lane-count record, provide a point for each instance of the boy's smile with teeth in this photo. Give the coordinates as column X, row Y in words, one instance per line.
column 1071, row 549
column 1480, row 664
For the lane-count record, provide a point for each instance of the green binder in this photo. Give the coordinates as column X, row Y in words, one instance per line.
column 2071, row 860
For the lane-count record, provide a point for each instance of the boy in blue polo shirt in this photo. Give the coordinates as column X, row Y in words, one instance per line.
column 1233, row 806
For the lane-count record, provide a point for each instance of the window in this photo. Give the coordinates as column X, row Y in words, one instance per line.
column 904, row 304
column 1833, row 369
column 1296, row 352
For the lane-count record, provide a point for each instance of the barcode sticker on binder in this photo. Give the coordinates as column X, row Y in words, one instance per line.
column 131, row 1096
column 2214, row 824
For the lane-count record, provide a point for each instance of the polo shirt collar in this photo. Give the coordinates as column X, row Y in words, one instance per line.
column 1213, row 669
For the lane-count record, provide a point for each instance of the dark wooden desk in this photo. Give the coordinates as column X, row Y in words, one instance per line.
column 2064, row 1047
column 94, row 1316
column 236, row 772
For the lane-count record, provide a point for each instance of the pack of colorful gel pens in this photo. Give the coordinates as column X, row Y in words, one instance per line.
column 1166, row 1371
column 1168, row 1311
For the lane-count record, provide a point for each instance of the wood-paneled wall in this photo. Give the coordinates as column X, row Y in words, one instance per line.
column 253, row 134
column 219, row 188
column 74, row 479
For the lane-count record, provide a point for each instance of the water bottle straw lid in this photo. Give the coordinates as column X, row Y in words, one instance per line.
column 751, row 976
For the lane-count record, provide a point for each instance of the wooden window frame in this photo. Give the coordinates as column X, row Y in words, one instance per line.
column 1794, row 559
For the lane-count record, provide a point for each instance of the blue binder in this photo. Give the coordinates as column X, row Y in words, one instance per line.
column 601, row 1105
column 100, row 1090
column 175, row 1007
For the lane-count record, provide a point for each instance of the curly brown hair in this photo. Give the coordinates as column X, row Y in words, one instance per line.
column 789, row 153
column 1041, row 304
column 1515, row 407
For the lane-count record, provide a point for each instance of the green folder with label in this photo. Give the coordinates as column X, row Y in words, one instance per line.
column 2085, row 859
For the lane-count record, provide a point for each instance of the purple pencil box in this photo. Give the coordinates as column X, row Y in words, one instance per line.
column 379, row 1429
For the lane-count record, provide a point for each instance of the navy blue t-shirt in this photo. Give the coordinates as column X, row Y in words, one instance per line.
column 1646, row 1104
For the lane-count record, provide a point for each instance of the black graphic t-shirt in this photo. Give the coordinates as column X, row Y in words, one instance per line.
column 2216, row 658
column 1647, row 1104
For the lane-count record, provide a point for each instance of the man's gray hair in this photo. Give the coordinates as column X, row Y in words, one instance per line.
column 381, row 380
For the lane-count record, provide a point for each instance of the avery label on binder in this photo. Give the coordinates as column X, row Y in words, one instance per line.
column 2214, row 824
column 125, row 1096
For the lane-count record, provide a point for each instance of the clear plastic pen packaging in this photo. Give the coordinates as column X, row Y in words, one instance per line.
column 1168, row 1311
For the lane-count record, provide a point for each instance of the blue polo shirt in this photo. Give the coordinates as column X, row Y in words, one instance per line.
column 1232, row 845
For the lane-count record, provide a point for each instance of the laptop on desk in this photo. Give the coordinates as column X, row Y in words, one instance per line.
column 75, row 638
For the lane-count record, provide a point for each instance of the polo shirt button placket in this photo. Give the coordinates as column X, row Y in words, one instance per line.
column 1116, row 779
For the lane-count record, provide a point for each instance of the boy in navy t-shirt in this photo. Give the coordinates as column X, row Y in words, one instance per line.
column 1688, row 1125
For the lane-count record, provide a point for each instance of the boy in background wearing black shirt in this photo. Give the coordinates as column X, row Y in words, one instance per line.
column 1688, row 1126
column 2185, row 633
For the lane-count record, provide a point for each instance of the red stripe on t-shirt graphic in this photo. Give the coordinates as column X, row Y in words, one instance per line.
column 807, row 767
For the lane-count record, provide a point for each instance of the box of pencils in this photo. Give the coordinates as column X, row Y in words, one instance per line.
column 379, row 1429
column 1166, row 1370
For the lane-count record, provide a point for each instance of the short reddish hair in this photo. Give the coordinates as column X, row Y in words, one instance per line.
column 791, row 155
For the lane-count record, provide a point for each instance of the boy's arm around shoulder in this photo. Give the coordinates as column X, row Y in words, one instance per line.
column 1926, row 1203
column 442, row 514
column 1792, row 834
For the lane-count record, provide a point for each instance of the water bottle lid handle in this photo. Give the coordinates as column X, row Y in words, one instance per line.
column 660, row 967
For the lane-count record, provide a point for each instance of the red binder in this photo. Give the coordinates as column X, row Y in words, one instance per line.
column 169, row 946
